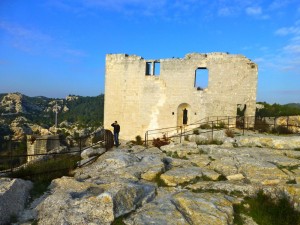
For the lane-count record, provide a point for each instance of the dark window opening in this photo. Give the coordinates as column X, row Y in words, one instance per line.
column 148, row 68
column 172, row 113
column 156, row 68
column 241, row 108
column 201, row 78
column 185, row 117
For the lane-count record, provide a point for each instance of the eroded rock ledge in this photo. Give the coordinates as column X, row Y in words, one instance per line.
column 177, row 184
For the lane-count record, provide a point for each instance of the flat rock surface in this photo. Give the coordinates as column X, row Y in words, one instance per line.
column 177, row 184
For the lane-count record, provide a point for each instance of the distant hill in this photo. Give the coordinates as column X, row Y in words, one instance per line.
column 87, row 111
column 295, row 105
column 276, row 110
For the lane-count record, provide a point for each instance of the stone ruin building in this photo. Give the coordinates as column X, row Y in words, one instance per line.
column 41, row 145
column 146, row 94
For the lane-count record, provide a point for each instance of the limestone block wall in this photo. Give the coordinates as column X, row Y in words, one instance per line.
column 141, row 100
column 41, row 145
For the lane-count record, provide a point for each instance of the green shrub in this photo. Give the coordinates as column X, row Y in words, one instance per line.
column 157, row 142
column 209, row 142
column 186, row 138
column 205, row 126
column 266, row 211
column 261, row 125
column 138, row 140
column 43, row 172
column 196, row 131
column 281, row 130
column 229, row 133
column 220, row 125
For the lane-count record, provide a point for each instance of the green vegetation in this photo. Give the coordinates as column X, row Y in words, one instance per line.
column 85, row 111
column 209, row 142
column 176, row 156
column 118, row 221
column 205, row 126
column 266, row 211
column 19, row 148
column 138, row 140
column 220, row 125
column 229, row 133
column 281, row 130
column 159, row 181
column 196, row 132
column 43, row 172
column 157, row 142
column 276, row 110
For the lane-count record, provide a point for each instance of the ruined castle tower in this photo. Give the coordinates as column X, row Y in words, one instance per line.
column 151, row 94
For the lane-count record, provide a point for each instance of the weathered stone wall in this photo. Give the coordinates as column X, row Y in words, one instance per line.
column 41, row 145
column 141, row 102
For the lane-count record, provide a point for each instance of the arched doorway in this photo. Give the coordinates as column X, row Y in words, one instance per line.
column 183, row 114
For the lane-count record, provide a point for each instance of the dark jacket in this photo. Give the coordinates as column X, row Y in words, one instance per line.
column 116, row 127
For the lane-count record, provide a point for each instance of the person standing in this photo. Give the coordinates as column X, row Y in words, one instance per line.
column 116, row 127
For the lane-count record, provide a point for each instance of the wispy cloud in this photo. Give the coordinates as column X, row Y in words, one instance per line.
column 35, row 42
column 226, row 11
column 126, row 7
column 257, row 12
column 279, row 4
column 283, row 31
column 292, row 48
column 19, row 31
column 254, row 11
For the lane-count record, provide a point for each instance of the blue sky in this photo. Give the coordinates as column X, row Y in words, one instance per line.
column 57, row 47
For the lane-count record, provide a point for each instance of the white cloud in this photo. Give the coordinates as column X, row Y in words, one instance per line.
column 35, row 42
column 293, row 49
column 254, row 11
column 226, row 11
column 22, row 32
column 278, row 4
column 287, row 30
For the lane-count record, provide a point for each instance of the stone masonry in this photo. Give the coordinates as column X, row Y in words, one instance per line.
column 141, row 97
column 41, row 145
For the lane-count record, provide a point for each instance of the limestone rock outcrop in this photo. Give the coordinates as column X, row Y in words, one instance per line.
column 178, row 184
column 13, row 196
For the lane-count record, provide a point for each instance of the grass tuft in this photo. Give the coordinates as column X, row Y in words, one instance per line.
column 266, row 211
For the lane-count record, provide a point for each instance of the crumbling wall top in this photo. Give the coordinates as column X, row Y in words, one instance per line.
column 122, row 57
column 189, row 56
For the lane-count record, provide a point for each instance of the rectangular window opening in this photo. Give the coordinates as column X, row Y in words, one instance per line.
column 201, row 78
column 156, row 68
column 148, row 68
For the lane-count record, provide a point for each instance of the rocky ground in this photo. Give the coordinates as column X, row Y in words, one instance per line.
column 181, row 183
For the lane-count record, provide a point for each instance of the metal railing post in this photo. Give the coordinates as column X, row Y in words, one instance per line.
column 10, row 154
column 228, row 122
column 146, row 141
column 80, row 145
column 247, row 123
column 243, row 125
column 180, row 133
column 212, row 130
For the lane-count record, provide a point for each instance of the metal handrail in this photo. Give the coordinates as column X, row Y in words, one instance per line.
column 217, row 121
